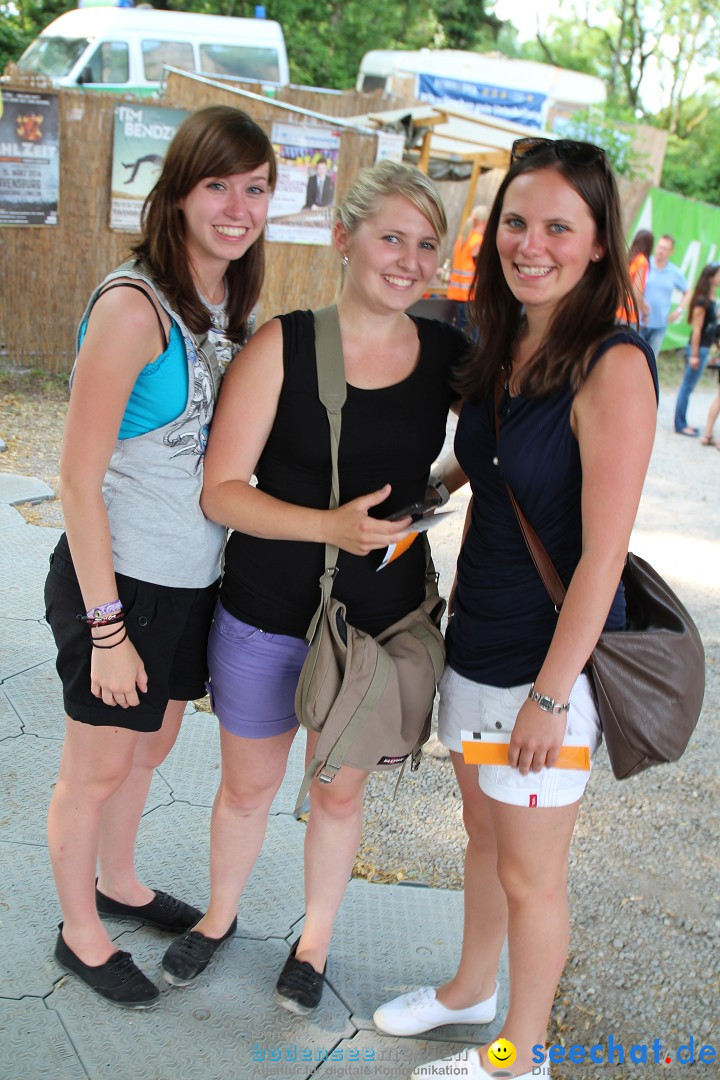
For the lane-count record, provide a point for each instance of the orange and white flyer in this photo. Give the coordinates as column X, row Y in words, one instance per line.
column 428, row 521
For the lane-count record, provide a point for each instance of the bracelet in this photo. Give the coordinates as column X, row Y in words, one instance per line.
column 96, row 646
column 103, row 613
column 93, row 623
column 547, row 704
column 120, row 628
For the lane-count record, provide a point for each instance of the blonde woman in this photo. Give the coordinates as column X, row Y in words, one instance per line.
column 271, row 423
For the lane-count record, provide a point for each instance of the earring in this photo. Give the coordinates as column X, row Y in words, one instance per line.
column 596, row 256
column 344, row 260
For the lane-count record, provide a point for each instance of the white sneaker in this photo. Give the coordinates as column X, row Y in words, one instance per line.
column 411, row 1014
column 467, row 1064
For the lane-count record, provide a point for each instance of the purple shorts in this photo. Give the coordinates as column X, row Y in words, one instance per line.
column 253, row 677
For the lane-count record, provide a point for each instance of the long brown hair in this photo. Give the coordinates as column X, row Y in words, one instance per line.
column 584, row 318
column 216, row 141
column 642, row 244
column 703, row 289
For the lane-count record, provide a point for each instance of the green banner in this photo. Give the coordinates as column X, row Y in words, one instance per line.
column 695, row 227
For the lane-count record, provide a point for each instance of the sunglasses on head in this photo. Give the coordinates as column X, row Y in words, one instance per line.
column 575, row 153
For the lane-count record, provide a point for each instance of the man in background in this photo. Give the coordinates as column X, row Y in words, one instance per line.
column 663, row 279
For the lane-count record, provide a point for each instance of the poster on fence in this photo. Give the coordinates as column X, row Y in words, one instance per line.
column 301, row 208
column 29, row 158
column 141, row 137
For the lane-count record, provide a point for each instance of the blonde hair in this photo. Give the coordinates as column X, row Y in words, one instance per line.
column 386, row 178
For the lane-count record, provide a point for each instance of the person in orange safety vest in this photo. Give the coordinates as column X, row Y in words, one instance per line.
column 465, row 252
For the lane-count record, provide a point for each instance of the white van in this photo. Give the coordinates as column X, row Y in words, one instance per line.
column 124, row 49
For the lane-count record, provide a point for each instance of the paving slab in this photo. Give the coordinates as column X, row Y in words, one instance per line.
column 11, row 518
column 15, row 489
column 35, row 1045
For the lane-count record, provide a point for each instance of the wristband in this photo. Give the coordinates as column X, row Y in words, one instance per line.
column 435, row 482
column 546, row 703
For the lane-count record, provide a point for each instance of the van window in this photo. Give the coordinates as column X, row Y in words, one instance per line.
column 155, row 54
column 52, row 56
column 373, row 82
column 245, row 61
column 108, row 64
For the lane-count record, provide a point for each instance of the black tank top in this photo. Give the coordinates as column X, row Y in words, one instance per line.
column 391, row 435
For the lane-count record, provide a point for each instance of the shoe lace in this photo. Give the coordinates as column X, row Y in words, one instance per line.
column 122, row 964
column 424, row 996
column 301, row 976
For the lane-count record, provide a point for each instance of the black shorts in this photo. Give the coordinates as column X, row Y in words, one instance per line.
column 168, row 627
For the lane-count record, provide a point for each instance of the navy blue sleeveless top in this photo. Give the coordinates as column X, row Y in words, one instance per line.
column 504, row 620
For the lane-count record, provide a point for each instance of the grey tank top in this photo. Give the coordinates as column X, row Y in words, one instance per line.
column 152, row 486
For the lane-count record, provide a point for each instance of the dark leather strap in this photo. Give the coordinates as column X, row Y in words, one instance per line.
column 132, row 285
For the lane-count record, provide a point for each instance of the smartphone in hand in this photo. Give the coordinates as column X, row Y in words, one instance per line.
column 416, row 510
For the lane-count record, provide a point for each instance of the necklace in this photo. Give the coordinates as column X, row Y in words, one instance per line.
column 218, row 312
column 217, row 334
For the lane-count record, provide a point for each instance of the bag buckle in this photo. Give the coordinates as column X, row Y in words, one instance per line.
column 327, row 773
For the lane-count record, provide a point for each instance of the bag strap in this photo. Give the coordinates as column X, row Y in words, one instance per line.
column 332, row 391
column 543, row 563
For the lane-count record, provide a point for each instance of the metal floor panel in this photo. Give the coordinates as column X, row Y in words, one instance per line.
column 372, row 1055
column 390, row 939
column 213, row 1030
column 36, row 695
column 26, row 785
column 25, row 644
column 10, row 723
column 173, row 855
column 192, row 768
column 35, row 1045
column 23, row 569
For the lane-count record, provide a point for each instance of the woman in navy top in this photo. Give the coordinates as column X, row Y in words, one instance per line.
column 576, row 402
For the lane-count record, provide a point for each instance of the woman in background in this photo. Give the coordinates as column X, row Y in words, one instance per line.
column 703, row 318
column 638, row 266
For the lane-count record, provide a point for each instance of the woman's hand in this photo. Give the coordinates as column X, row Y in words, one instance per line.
column 117, row 674
column 536, row 739
column 351, row 528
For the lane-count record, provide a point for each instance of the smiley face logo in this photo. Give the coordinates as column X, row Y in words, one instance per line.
column 501, row 1053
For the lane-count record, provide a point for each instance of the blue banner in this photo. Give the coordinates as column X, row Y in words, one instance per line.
column 521, row 106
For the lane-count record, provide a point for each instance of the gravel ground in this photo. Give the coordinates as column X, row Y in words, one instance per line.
column 645, row 866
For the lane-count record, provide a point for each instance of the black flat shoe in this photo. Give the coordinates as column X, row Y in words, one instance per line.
column 299, row 987
column 190, row 954
column 164, row 912
column 119, row 980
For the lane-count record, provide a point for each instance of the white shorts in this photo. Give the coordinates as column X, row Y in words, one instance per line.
column 470, row 706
